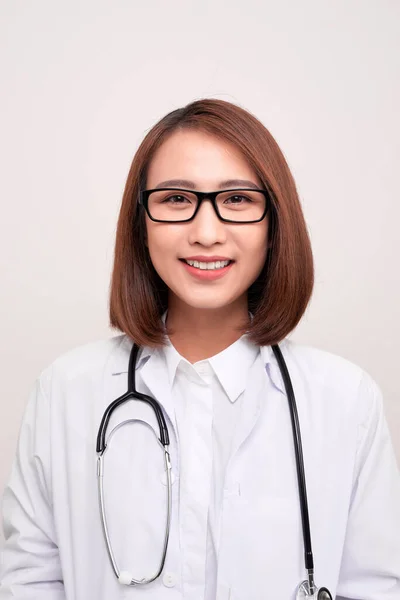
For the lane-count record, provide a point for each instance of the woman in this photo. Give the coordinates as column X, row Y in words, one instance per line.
column 205, row 285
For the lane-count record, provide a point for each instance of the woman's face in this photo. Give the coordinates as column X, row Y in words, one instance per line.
column 203, row 162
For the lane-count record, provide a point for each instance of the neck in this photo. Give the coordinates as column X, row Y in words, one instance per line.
column 198, row 334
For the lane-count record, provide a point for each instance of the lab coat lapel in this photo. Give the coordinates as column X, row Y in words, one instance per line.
column 265, row 367
column 252, row 402
column 152, row 379
column 115, row 375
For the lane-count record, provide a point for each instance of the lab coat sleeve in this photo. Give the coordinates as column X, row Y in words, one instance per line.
column 370, row 568
column 30, row 566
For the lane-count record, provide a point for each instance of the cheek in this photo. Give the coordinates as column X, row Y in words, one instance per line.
column 254, row 243
column 162, row 242
column 254, row 249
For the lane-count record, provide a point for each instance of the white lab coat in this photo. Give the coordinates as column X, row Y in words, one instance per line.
column 55, row 548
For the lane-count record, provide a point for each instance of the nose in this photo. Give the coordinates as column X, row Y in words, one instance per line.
column 206, row 228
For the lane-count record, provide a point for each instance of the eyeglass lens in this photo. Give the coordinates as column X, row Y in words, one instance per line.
column 234, row 205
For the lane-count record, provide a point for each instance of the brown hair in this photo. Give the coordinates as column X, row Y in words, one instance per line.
column 279, row 296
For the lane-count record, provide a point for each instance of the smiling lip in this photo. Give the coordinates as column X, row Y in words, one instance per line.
column 206, row 258
column 207, row 274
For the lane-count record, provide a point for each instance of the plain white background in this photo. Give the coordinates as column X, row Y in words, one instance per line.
column 81, row 84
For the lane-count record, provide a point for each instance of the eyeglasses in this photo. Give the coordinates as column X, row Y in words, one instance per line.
column 169, row 205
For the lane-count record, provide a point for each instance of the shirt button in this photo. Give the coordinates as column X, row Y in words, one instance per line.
column 169, row 580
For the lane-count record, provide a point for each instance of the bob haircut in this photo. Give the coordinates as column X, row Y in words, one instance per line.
column 279, row 296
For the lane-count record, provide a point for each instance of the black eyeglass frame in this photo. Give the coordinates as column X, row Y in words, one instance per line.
column 201, row 196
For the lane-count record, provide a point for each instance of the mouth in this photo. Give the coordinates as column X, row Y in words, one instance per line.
column 207, row 265
column 207, row 271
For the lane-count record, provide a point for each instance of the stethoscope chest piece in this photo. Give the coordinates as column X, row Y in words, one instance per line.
column 303, row 593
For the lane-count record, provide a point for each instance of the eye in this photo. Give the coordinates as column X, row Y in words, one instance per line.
column 238, row 199
column 176, row 199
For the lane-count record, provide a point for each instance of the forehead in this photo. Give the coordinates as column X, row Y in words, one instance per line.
column 199, row 157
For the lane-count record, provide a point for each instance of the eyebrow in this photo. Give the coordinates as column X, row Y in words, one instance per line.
column 228, row 183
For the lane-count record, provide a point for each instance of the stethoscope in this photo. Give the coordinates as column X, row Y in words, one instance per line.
column 307, row 588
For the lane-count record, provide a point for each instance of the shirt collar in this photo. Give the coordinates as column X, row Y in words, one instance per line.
column 237, row 359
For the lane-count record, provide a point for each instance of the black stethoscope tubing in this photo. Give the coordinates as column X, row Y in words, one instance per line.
column 132, row 393
column 298, row 448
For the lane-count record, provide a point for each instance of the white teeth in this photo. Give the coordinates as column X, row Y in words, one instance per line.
column 208, row 265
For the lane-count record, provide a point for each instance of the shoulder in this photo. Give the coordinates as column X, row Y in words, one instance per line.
column 320, row 364
column 87, row 360
column 330, row 380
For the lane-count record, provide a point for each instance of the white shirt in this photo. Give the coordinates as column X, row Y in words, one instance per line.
column 207, row 401
column 55, row 548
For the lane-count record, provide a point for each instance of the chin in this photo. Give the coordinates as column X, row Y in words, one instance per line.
column 206, row 303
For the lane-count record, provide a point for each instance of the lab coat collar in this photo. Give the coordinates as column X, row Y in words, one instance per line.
column 272, row 367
